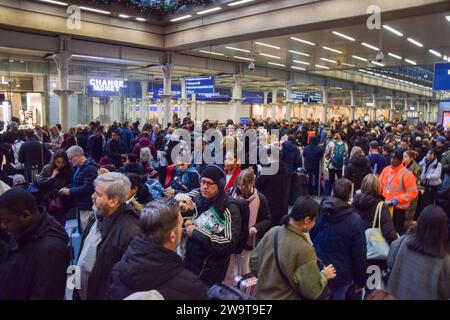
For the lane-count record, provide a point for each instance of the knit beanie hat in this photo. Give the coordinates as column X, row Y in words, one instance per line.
column 214, row 173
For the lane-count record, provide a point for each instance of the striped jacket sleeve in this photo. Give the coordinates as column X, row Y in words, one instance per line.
column 222, row 243
column 410, row 186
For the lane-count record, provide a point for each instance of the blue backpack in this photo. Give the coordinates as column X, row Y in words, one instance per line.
column 338, row 156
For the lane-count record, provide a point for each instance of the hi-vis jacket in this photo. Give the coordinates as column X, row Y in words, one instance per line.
column 399, row 183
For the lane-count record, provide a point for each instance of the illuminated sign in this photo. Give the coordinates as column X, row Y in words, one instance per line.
column 104, row 85
column 200, row 85
column 441, row 77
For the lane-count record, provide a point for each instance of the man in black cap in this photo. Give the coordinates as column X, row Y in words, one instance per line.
column 214, row 231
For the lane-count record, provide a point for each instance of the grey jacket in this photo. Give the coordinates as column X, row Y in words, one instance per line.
column 415, row 276
column 434, row 171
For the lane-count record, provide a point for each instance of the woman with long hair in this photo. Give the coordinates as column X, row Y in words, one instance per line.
column 409, row 161
column 54, row 176
column 419, row 262
column 69, row 139
column 358, row 167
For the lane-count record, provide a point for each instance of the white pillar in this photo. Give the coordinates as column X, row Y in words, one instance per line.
column 62, row 59
column 324, row 118
column 144, row 106
column 266, row 95
column 373, row 110
column 305, row 111
column 184, row 100
column 288, row 113
column 392, row 110
column 237, row 98
column 194, row 113
column 352, row 105
column 167, row 93
column 428, row 115
column 274, row 103
column 405, row 110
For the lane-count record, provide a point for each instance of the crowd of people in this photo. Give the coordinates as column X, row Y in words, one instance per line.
column 150, row 221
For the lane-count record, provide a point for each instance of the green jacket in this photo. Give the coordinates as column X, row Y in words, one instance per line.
column 298, row 260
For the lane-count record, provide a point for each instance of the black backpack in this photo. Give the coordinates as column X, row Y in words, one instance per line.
column 244, row 211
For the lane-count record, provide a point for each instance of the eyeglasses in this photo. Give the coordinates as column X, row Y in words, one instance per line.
column 71, row 158
column 208, row 183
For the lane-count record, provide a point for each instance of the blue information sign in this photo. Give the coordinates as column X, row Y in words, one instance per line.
column 199, row 85
column 441, row 76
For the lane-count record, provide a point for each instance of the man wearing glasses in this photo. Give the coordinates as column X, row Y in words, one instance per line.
column 85, row 172
column 214, row 231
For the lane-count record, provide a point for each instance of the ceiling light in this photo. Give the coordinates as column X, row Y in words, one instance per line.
column 269, row 56
column 211, row 52
column 181, row 18
column 378, row 63
column 209, row 10
column 395, row 56
column 276, row 64
column 398, row 33
column 360, row 58
column 238, row 49
column 141, row 19
column 238, row 3
column 303, row 41
column 331, row 49
column 243, row 58
column 95, row 10
column 437, row 54
column 448, row 18
column 343, row 36
column 411, row 61
column 348, row 65
column 59, row 3
column 21, row 61
column 415, row 42
column 301, row 62
column 267, row 45
column 370, row 46
column 298, row 68
column 328, row 60
column 123, row 16
column 322, row 67
column 299, row 53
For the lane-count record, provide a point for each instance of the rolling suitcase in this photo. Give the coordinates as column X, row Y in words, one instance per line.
column 246, row 283
column 74, row 240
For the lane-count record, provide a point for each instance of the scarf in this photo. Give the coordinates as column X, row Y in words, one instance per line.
column 233, row 178
column 253, row 204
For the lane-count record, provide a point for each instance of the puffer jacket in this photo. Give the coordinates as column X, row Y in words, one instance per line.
column 83, row 185
column 434, row 170
column 142, row 143
column 365, row 205
column 358, row 167
column 339, row 239
column 147, row 266
column 290, row 155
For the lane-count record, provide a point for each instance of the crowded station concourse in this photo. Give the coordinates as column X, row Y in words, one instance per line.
column 126, row 178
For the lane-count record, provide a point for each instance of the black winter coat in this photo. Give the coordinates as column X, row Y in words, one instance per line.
column 35, row 265
column 208, row 252
column 117, row 231
column 339, row 239
column 147, row 266
column 274, row 189
column 114, row 150
column 357, row 168
column 33, row 153
column 83, row 185
column 95, row 147
column 365, row 205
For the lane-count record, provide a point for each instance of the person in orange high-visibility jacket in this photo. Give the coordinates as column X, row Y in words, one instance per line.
column 399, row 188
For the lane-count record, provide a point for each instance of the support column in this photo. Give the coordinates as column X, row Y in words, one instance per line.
column 392, row 110
column 352, row 105
column 324, row 118
column 266, row 95
column 194, row 113
column 167, row 93
column 373, row 110
column 274, row 104
column 143, row 109
column 405, row 110
column 183, row 100
column 62, row 59
column 237, row 98
column 419, row 111
column 428, row 115
column 288, row 113
column 305, row 111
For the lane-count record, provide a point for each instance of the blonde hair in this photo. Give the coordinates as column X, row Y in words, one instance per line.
column 356, row 151
column 371, row 184
column 247, row 177
column 54, row 131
